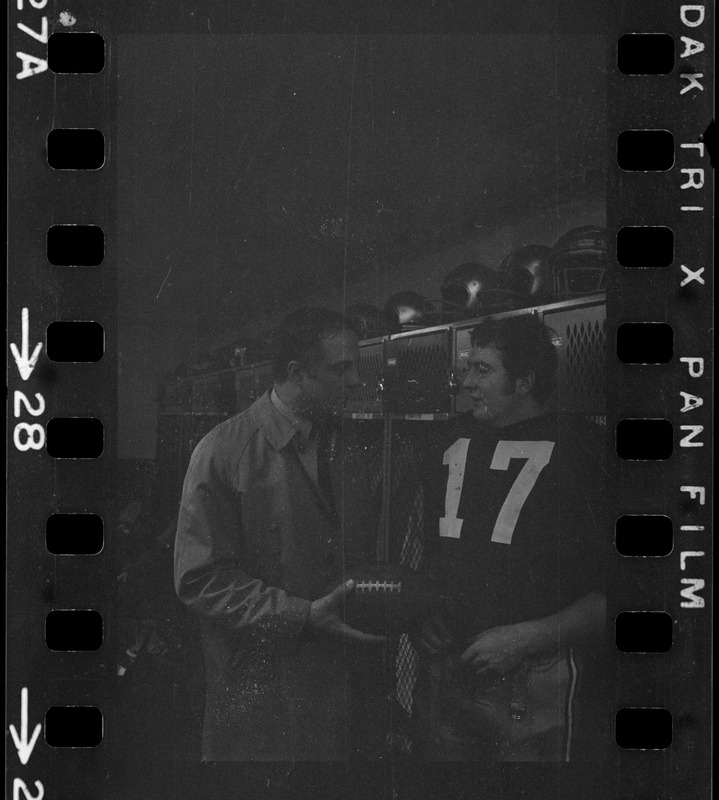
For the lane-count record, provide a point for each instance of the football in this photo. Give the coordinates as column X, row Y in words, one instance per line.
column 388, row 598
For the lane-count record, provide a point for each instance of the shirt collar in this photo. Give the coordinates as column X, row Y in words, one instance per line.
column 298, row 422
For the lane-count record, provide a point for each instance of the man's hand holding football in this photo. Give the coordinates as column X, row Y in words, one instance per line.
column 326, row 616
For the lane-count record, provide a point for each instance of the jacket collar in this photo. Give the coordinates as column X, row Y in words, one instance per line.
column 299, row 422
column 277, row 428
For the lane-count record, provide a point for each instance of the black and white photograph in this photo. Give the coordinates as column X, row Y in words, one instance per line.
column 334, row 251
column 368, row 523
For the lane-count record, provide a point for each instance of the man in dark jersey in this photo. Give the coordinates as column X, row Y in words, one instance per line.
column 516, row 539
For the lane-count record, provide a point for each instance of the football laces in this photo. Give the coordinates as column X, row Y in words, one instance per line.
column 385, row 587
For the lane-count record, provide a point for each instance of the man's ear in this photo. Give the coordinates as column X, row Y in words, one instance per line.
column 525, row 384
column 295, row 373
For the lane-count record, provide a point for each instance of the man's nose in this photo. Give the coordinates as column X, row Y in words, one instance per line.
column 468, row 381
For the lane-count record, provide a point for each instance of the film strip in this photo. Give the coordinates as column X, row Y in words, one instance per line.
column 659, row 257
column 65, row 339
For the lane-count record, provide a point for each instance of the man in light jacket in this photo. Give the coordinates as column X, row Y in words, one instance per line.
column 276, row 504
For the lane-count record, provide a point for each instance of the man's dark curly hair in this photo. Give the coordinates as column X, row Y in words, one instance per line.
column 525, row 343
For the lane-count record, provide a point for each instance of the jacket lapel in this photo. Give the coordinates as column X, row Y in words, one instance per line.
column 280, row 433
column 307, row 455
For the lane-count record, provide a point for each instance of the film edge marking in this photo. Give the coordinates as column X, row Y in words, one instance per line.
column 26, row 363
column 692, row 586
column 24, row 747
column 32, row 65
column 692, row 47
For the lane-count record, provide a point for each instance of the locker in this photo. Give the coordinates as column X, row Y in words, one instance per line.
column 244, row 388
column 203, row 389
column 417, row 372
column 226, row 401
column 368, row 398
column 175, row 395
column 250, row 383
column 580, row 334
column 214, row 392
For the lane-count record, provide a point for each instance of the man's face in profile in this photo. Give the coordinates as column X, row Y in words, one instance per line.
column 328, row 382
column 487, row 382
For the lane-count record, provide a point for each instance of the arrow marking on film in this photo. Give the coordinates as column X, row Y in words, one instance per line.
column 24, row 747
column 24, row 363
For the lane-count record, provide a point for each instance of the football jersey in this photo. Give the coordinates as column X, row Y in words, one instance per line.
column 516, row 513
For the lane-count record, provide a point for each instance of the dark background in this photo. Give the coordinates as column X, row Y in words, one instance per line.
column 258, row 173
column 39, row 582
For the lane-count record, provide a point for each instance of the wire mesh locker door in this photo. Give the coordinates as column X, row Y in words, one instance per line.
column 411, row 448
column 416, row 372
column 363, row 443
column 367, row 398
column 580, row 336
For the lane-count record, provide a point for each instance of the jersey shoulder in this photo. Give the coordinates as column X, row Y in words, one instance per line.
column 579, row 445
column 572, row 428
column 464, row 426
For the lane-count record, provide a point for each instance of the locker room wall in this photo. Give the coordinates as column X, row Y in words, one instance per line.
column 424, row 275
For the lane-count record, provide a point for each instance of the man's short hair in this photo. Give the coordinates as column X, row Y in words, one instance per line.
column 300, row 335
column 526, row 346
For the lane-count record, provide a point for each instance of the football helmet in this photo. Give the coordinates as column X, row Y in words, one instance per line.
column 474, row 287
column 579, row 261
column 406, row 308
column 368, row 319
column 527, row 273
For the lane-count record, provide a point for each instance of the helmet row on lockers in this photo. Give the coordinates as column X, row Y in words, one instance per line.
column 529, row 275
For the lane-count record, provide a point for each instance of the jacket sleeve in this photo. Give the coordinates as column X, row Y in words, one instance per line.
column 210, row 563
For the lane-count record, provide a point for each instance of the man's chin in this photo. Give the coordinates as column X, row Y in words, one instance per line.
column 480, row 413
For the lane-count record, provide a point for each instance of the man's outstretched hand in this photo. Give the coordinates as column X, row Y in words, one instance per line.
column 501, row 649
column 326, row 616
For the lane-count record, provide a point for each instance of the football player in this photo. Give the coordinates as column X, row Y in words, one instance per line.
column 515, row 514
